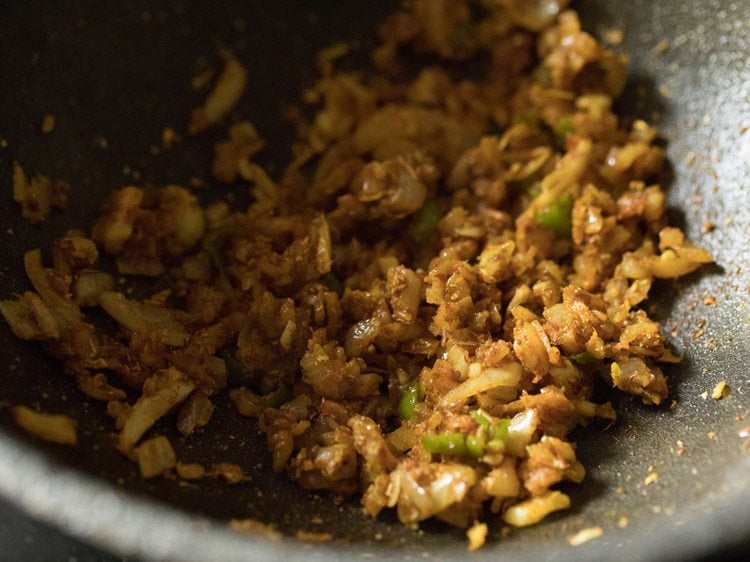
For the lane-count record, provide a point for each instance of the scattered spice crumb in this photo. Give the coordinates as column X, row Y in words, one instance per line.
column 707, row 227
column 709, row 300
column 665, row 90
column 744, row 432
column 728, row 220
column 620, row 490
column 711, row 435
column 477, row 535
column 254, row 527
column 651, row 478
column 623, row 522
column 680, row 447
column 48, row 123
column 704, row 395
column 743, row 129
column 719, row 390
column 202, row 79
column 585, row 535
column 196, row 182
column 190, row 471
column 661, row 47
column 313, row 536
column 169, row 137
column 614, row 36
column 700, row 331
column 673, row 404
column 505, row 532
column 231, row 473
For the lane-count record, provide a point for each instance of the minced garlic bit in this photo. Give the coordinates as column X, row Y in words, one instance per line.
column 169, row 137
column 313, row 536
column 254, row 527
column 614, row 36
column 231, row 473
column 55, row 428
column 48, row 123
column 719, row 390
column 585, row 535
column 661, row 47
column 477, row 535
column 190, row 471
column 155, row 457
column 651, row 478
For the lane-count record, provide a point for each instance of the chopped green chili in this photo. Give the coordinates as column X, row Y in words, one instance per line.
column 556, row 217
column 583, row 358
column 562, row 129
column 499, row 430
column 333, row 282
column 278, row 397
column 235, row 371
column 474, row 446
column 480, row 419
column 411, row 395
column 445, row 444
column 426, row 222
column 528, row 116
column 211, row 247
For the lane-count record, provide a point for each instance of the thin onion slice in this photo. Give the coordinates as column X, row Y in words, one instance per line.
column 507, row 375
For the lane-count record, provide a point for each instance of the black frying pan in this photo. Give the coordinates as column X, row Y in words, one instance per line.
column 120, row 71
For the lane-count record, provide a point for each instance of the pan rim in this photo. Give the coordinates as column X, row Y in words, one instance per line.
column 118, row 521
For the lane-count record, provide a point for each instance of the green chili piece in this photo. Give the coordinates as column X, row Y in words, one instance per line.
column 333, row 282
column 426, row 222
column 235, row 371
column 480, row 419
column 278, row 397
column 411, row 395
column 556, row 217
column 211, row 247
column 474, row 446
column 499, row 431
column 583, row 358
column 528, row 116
column 563, row 127
column 445, row 444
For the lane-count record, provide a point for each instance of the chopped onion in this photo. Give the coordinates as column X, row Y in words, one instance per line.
column 142, row 317
column 491, row 377
column 155, row 457
column 534, row 510
column 148, row 409
column 222, row 99
column 56, row 428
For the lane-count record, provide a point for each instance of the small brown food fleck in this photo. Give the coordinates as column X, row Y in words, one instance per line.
column 585, row 535
column 48, row 123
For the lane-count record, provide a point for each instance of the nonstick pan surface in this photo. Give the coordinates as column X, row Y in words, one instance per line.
column 115, row 74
